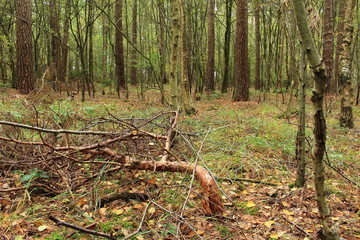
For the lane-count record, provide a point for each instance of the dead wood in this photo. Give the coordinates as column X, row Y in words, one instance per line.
column 80, row 229
column 126, row 146
column 125, row 196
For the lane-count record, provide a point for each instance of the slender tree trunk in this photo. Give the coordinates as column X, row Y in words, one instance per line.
column 227, row 41
column 105, row 41
column 55, row 44
column 300, row 138
column 174, row 59
column 24, row 55
column 346, row 115
column 162, row 43
column 328, row 44
column 210, row 66
column 119, row 49
column 133, row 68
column 91, row 47
column 257, row 45
column 339, row 40
column 317, row 99
column 64, row 47
column 241, row 58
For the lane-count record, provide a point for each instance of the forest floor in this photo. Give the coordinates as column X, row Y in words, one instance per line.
column 237, row 141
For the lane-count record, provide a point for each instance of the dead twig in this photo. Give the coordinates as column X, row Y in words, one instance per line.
column 245, row 180
column 80, row 229
column 55, row 131
column 299, row 228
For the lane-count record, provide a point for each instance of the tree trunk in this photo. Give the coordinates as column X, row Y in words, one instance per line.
column 346, row 115
column 24, row 55
column 55, row 44
column 227, row 41
column 339, row 39
column 174, row 59
column 241, row 58
column 162, row 43
column 119, row 49
column 328, row 44
column 257, row 45
column 317, row 99
column 64, row 47
column 133, row 68
column 185, row 102
column 210, row 66
column 300, row 138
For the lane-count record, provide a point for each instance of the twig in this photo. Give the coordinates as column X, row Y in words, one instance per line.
column 178, row 217
column 336, row 170
column 140, row 224
column 87, row 226
column 80, row 229
column 245, row 180
column 299, row 228
column 55, row 131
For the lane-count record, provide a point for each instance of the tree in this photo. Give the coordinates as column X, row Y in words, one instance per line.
column 210, row 66
column 185, row 102
column 133, row 68
column 119, row 49
column 241, row 58
column 55, row 42
column 346, row 115
column 228, row 10
column 328, row 44
column 317, row 99
column 300, row 138
column 24, row 55
column 257, row 45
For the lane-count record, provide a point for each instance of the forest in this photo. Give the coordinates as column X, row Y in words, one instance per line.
column 179, row 119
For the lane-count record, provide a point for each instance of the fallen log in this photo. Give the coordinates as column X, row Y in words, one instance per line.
column 211, row 202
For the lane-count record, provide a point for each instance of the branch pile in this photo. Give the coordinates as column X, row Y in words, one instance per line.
column 140, row 144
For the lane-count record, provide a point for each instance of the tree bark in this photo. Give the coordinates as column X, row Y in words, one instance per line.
column 227, row 41
column 328, row 44
column 119, row 49
column 300, row 138
column 346, row 115
column 257, row 45
column 133, row 68
column 185, row 101
column 210, row 66
column 24, row 55
column 55, row 44
column 241, row 58
column 211, row 203
column 317, row 99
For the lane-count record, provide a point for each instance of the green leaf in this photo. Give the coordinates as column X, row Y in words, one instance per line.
column 42, row 228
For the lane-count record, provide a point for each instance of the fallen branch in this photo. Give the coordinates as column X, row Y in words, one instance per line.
column 126, row 196
column 211, row 203
column 80, row 229
column 55, row 131
column 245, row 180
column 169, row 138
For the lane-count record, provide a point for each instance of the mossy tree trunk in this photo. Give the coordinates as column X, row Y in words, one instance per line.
column 346, row 115
column 319, row 119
